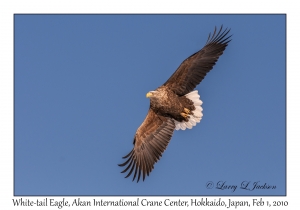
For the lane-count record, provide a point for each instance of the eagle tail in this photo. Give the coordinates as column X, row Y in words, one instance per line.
column 196, row 115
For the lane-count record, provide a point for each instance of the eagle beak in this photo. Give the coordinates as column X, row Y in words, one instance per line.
column 149, row 94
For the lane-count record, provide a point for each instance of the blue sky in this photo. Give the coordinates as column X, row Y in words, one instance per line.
column 79, row 87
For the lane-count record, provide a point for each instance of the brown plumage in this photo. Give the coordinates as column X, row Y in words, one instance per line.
column 173, row 105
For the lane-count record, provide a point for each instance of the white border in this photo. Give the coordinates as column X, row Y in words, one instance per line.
column 9, row 8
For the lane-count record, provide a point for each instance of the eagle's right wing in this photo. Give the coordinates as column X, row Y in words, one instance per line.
column 150, row 141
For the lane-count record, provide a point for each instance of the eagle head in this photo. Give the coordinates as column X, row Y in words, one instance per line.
column 151, row 94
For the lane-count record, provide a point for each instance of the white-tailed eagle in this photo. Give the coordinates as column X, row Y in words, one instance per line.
column 174, row 105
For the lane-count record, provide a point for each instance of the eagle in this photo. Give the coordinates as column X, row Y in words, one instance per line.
column 174, row 105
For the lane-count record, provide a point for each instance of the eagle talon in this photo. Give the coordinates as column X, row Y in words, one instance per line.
column 186, row 110
column 185, row 116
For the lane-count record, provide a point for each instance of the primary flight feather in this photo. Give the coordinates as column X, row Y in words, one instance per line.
column 174, row 105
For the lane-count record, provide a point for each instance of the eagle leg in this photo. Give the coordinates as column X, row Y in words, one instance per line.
column 186, row 110
column 185, row 116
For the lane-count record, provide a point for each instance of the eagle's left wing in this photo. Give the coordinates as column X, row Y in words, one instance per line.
column 150, row 141
column 193, row 69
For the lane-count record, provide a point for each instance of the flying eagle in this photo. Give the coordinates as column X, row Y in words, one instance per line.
column 174, row 105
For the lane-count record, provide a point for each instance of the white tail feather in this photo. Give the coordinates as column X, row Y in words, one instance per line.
column 197, row 113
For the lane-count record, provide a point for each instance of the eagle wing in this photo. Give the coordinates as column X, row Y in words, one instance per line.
column 193, row 69
column 150, row 141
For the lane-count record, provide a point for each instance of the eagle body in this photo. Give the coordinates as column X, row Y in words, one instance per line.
column 173, row 106
column 167, row 103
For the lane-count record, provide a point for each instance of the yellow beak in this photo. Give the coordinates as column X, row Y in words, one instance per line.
column 148, row 95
